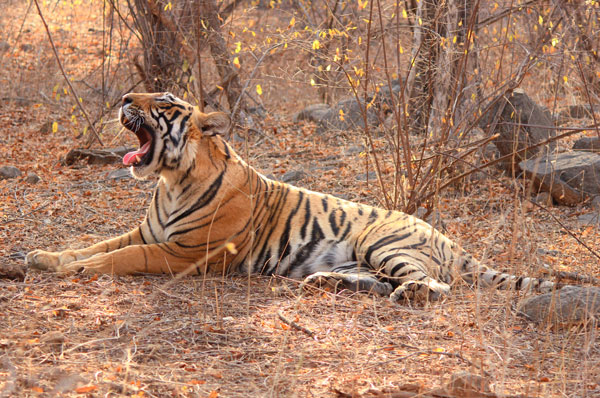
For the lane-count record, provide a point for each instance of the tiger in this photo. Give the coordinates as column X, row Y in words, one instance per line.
column 213, row 212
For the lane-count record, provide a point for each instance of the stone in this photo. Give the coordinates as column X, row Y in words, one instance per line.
column 595, row 202
column 570, row 177
column 520, row 124
column 543, row 199
column 347, row 115
column 463, row 384
column 590, row 144
column 371, row 176
column 97, row 156
column 589, row 219
column 312, row 113
column 32, row 178
column 8, row 172
column 118, row 174
column 579, row 111
column 293, row 176
column 568, row 306
column 12, row 271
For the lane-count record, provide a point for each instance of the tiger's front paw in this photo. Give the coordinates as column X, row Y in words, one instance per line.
column 48, row 261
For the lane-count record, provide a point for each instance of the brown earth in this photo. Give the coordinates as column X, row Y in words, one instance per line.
column 235, row 336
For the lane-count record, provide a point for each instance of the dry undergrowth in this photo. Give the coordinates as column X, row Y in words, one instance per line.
column 245, row 337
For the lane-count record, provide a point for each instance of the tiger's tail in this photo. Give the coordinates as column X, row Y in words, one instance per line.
column 475, row 273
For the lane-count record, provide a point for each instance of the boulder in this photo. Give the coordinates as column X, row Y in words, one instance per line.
column 589, row 144
column 97, row 156
column 579, row 111
column 32, row 178
column 8, row 172
column 312, row 113
column 347, row 114
column 570, row 177
column 520, row 123
column 568, row 306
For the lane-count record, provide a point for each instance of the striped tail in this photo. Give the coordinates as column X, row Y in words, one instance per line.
column 477, row 274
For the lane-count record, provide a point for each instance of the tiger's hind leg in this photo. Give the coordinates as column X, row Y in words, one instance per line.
column 349, row 276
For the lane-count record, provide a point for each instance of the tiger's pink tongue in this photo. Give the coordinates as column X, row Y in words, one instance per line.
column 130, row 158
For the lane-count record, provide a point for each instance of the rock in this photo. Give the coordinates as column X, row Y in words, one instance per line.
column 372, row 176
column 8, row 172
column 53, row 337
column 543, row 199
column 12, row 271
column 595, row 203
column 118, row 174
column 579, row 111
column 293, row 176
column 32, row 178
column 590, row 144
column 97, row 156
column 520, row 123
column 353, row 150
column 464, row 384
column 312, row 113
column 347, row 115
column 589, row 219
column 569, row 177
column 568, row 306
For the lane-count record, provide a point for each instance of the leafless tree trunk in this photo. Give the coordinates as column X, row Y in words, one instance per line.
column 230, row 80
column 173, row 36
column 437, row 77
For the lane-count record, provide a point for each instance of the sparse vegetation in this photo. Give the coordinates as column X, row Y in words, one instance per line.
column 235, row 336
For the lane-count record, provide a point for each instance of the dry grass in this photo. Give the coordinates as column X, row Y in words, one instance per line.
column 235, row 336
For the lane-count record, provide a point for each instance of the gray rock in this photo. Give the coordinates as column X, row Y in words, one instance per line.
column 595, row 202
column 579, row 111
column 589, row 219
column 347, row 115
column 312, row 113
column 568, row 306
column 372, row 176
column 520, row 123
column 8, row 172
column 118, row 174
column 32, row 178
column 353, row 150
column 590, row 144
column 569, row 177
column 293, row 176
column 97, row 156
column 543, row 199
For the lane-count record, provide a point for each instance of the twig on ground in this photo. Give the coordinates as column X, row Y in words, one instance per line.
column 26, row 214
column 295, row 325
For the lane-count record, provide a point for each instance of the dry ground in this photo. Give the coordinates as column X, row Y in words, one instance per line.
column 231, row 336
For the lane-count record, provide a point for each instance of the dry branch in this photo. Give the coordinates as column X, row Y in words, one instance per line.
column 73, row 92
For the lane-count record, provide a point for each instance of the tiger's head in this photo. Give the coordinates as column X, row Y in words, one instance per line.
column 164, row 125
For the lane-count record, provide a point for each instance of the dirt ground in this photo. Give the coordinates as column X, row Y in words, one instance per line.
column 238, row 336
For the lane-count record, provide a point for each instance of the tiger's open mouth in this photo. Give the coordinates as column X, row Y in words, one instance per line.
column 144, row 133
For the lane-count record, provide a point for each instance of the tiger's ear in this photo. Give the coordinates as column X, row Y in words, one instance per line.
column 210, row 124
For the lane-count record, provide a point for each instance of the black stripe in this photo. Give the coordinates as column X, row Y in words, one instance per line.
column 285, row 237
column 324, row 203
column 306, row 219
column 204, row 199
column 383, row 242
